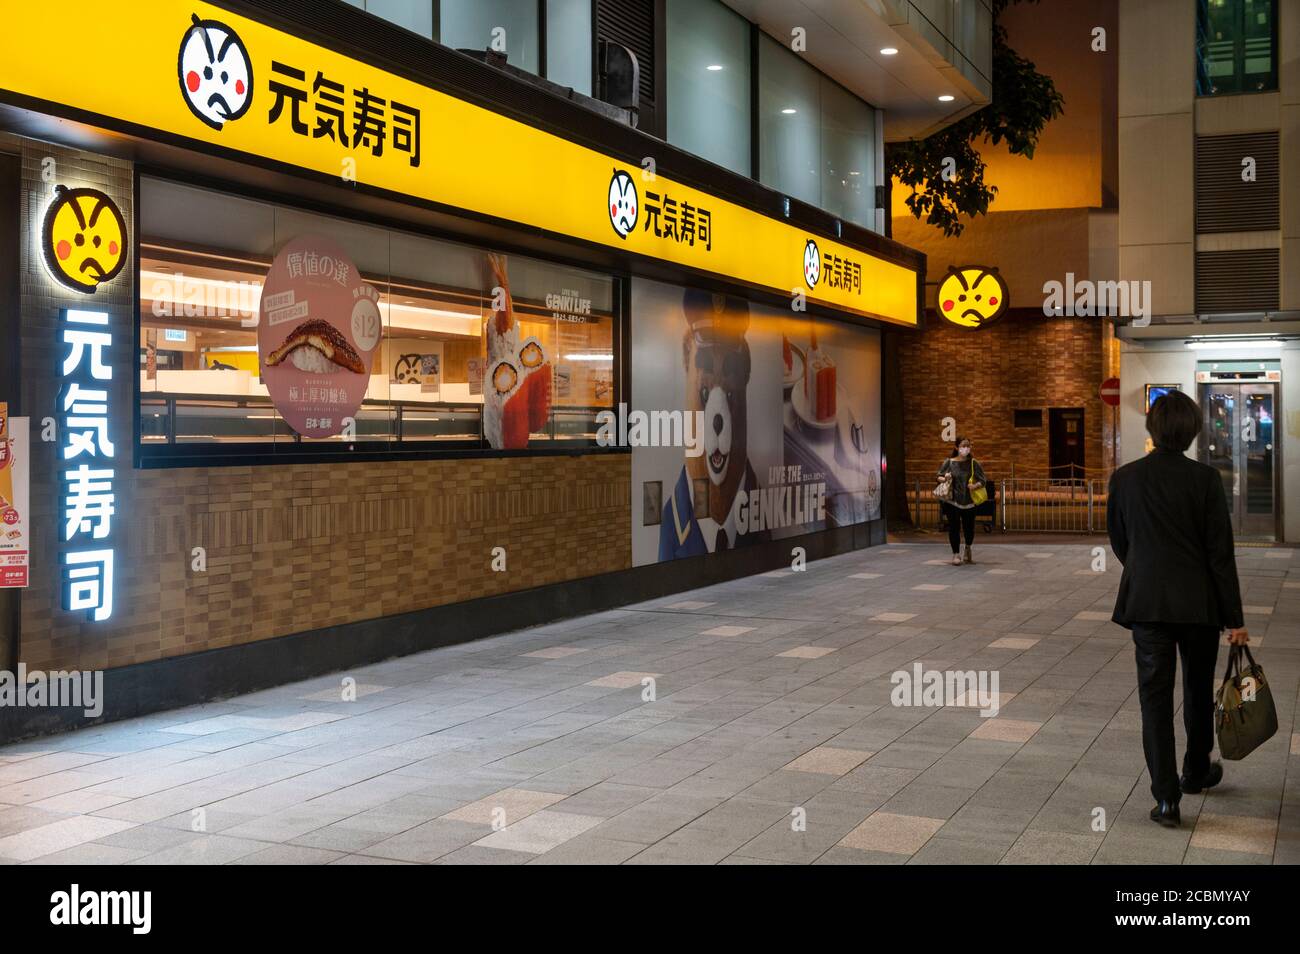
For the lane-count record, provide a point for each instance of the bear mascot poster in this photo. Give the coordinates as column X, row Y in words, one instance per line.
column 789, row 423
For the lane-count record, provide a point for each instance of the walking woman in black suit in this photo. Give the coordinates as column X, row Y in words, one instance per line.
column 1168, row 521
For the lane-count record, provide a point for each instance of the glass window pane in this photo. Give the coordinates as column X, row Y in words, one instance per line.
column 848, row 155
column 708, row 82
column 568, row 43
column 1235, row 46
column 204, row 257
column 476, row 24
column 413, row 15
column 789, row 117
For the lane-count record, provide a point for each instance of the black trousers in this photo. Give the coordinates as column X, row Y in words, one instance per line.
column 1156, row 645
column 963, row 520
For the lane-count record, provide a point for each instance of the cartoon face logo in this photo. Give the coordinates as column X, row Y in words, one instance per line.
column 215, row 72
column 622, row 203
column 407, row 369
column 812, row 264
column 83, row 238
column 972, row 296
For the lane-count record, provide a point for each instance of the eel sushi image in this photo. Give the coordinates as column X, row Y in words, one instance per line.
column 317, row 347
column 517, row 392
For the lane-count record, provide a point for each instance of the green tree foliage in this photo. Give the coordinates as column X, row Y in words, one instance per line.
column 1023, row 102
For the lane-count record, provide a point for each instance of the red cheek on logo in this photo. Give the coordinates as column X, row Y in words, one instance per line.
column 632, row 212
column 112, row 248
column 613, row 210
column 63, row 249
column 239, row 87
column 993, row 301
column 192, row 81
column 947, row 305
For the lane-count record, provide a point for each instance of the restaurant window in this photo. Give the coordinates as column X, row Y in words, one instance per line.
column 471, row 349
column 1236, row 46
column 708, row 82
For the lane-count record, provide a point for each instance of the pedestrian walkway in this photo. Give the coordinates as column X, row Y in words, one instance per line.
column 749, row 722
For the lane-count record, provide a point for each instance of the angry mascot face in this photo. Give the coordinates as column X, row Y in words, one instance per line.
column 215, row 72
column 973, row 296
column 716, row 357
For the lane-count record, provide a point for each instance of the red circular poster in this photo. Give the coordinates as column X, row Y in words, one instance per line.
column 318, row 327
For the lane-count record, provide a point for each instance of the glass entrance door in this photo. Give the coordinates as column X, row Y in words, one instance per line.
column 1238, row 440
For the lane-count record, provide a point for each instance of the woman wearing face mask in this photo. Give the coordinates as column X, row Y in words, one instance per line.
column 963, row 474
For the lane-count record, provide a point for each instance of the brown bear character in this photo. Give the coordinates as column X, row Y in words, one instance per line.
column 717, row 362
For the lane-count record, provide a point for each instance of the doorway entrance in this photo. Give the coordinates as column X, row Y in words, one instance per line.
column 1238, row 440
column 1065, row 443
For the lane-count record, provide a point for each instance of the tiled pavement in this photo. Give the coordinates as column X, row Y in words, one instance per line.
column 770, row 738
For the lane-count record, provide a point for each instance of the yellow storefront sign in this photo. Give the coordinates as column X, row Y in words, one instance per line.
column 204, row 73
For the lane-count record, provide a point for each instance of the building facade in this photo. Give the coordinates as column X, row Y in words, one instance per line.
column 1025, row 386
column 1209, row 117
column 330, row 337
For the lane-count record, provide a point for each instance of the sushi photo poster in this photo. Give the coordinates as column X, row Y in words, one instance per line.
column 762, row 424
column 318, row 327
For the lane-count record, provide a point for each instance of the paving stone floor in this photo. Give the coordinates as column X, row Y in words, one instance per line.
column 770, row 738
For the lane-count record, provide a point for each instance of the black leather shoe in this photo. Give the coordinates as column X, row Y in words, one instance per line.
column 1194, row 786
column 1166, row 814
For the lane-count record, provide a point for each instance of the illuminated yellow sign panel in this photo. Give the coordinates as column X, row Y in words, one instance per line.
column 972, row 296
column 201, row 72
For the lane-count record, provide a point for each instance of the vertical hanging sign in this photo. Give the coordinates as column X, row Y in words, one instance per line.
column 15, row 517
column 85, row 458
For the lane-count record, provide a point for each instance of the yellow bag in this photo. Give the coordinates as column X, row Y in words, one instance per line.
column 978, row 495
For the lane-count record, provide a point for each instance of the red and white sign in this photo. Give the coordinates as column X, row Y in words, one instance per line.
column 1110, row 391
column 15, row 522
column 316, row 334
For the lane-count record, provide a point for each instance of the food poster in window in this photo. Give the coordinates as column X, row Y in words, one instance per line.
column 517, row 386
column 830, row 387
column 15, row 518
column 318, row 327
column 759, row 426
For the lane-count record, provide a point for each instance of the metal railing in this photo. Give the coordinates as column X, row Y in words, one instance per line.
column 1025, row 504
column 1012, row 470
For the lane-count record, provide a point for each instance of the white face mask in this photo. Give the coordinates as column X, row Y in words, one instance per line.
column 963, row 451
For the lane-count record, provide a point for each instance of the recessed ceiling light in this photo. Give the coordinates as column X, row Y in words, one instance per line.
column 713, row 67
column 947, row 98
column 789, row 110
column 888, row 51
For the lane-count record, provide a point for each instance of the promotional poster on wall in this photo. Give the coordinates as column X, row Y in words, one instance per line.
column 780, row 422
column 518, row 391
column 319, row 325
column 14, row 493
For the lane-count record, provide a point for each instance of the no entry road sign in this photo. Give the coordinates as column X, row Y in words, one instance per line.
column 1110, row 391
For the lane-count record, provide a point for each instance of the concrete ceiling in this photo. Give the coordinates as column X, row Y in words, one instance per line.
column 844, row 40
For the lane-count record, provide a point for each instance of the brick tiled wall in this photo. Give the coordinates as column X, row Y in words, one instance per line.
column 293, row 548
column 981, row 377
column 289, row 548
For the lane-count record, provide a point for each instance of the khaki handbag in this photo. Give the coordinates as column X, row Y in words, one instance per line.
column 1244, row 715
